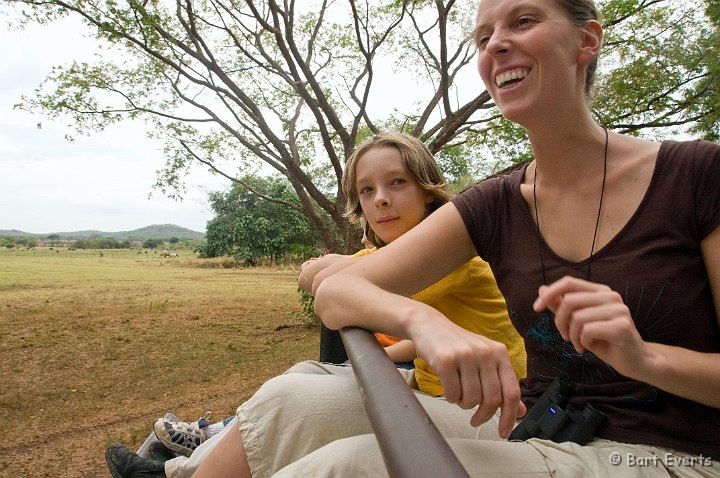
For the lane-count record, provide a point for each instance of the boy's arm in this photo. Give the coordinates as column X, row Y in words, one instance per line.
column 403, row 351
column 311, row 268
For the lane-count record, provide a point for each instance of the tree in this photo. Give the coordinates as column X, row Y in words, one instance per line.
column 232, row 85
column 151, row 243
column 28, row 242
column 659, row 75
column 248, row 227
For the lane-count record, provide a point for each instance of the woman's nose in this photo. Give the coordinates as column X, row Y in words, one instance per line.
column 498, row 42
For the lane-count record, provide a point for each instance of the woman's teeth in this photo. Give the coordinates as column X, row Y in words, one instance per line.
column 510, row 76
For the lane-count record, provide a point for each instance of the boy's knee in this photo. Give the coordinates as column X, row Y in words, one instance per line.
column 281, row 388
column 307, row 392
column 308, row 367
column 313, row 367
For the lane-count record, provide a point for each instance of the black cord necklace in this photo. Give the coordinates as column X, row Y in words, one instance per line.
column 597, row 221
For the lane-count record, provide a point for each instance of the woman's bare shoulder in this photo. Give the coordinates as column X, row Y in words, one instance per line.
column 634, row 158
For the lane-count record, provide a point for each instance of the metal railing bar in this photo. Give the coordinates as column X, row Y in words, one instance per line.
column 410, row 442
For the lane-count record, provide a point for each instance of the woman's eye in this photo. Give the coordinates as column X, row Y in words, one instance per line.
column 482, row 40
column 524, row 21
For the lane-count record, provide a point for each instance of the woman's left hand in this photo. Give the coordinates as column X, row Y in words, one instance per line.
column 593, row 317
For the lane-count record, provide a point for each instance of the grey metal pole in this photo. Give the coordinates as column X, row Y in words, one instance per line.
column 411, row 445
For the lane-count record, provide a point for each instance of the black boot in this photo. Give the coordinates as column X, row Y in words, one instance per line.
column 125, row 463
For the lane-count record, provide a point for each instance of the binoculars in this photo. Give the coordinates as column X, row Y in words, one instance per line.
column 553, row 418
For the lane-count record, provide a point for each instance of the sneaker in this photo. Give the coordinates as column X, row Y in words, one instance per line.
column 181, row 437
column 125, row 463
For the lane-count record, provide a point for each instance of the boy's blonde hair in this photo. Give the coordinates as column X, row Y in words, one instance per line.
column 417, row 160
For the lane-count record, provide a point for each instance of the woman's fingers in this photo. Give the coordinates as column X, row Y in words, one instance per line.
column 452, row 385
column 579, row 319
column 551, row 296
column 475, row 372
column 577, row 308
column 568, row 295
column 618, row 343
column 512, row 407
column 500, row 390
column 593, row 317
column 482, row 376
column 472, row 387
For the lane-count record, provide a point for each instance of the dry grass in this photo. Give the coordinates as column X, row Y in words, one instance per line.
column 95, row 348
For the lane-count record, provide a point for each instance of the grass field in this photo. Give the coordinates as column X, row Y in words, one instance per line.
column 93, row 349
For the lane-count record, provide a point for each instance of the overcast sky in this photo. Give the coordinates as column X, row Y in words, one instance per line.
column 100, row 182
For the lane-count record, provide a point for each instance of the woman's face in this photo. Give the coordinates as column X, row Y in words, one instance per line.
column 391, row 200
column 528, row 56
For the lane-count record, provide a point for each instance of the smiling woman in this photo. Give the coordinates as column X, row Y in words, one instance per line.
column 594, row 213
column 632, row 209
column 525, row 43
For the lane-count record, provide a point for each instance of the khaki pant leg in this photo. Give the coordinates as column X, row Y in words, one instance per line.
column 313, row 367
column 295, row 414
column 323, row 368
column 360, row 457
column 182, row 467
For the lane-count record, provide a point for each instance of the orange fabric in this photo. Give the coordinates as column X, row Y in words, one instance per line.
column 386, row 340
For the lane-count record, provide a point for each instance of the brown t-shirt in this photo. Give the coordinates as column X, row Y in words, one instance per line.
column 654, row 262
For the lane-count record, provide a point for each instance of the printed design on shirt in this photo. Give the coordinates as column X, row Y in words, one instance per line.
column 559, row 358
column 554, row 357
column 651, row 319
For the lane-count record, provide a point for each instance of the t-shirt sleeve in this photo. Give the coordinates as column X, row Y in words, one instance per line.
column 453, row 282
column 364, row 252
column 477, row 209
column 706, row 174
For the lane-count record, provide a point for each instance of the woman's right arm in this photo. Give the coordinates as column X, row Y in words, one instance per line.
column 373, row 294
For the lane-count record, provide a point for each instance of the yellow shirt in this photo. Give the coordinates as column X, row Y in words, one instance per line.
column 469, row 297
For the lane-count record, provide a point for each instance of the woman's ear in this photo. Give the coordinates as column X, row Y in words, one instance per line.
column 592, row 39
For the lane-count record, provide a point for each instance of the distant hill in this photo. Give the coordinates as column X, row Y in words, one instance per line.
column 160, row 231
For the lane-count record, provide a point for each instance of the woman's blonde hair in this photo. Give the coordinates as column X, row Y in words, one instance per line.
column 417, row 160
